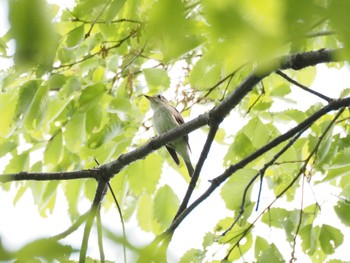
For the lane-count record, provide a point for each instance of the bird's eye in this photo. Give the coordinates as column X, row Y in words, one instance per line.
column 159, row 96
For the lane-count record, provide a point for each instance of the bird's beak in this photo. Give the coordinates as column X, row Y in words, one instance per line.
column 148, row 97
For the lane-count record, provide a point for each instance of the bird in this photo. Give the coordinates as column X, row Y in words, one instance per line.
column 166, row 117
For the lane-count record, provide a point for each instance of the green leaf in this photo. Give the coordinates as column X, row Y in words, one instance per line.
column 208, row 240
column 192, row 255
column 7, row 147
column 35, row 117
column 340, row 165
column 71, row 85
column 144, row 214
column 49, row 249
column 165, row 206
column 157, row 79
column 240, row 250
column 306, row 76
column 54, row 151
column 113, row 63
column 282, row 218
column 27, row 94
column 74, row 133
column 113, row 9
column 232, row 191
column 330, row 238
column 258, row 132
column 342, row 210
column 240, row 149
column 281, row 91
column 72, row 190
column 266, row 252
column 325, row 145
column 56, row 81
column 309, row 236
column 19, row 194
column 205, row 73
column 33, row 32
column 75, row 36
column 112, row 131
column 149, row 170
column 156, row 250
column 18, row 163
column 91, row 95
column 47, row 202
column 8, row 103
column 168, row 26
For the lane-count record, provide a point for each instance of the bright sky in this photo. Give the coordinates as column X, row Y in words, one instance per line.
column 23, row 224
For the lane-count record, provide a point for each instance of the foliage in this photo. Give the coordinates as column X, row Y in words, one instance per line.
column 74, row 93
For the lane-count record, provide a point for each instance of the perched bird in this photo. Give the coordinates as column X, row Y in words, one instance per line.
column 166, row 117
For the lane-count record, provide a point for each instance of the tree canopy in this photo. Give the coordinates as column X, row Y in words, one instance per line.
column 74, row 119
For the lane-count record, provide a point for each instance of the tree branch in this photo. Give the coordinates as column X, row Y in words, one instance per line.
column 101, row 190
column 303, row 87
column 216, row 182
column 24, row 176
column 301, row 171
column 199, row 166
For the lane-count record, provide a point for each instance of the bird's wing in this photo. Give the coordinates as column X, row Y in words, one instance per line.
column 178, row 118
column 173, row 154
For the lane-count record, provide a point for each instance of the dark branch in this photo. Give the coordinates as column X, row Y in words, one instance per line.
column 296, row 83
column 216, row 182
column 23, row 176
column 101, row 190
column 199, row 166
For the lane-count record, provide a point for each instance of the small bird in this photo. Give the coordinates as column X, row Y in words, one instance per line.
column 166, row 117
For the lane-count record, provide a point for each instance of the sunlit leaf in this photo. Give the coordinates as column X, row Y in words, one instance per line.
column 266, row 252
column 192, row 255
column 232, row 191
column 75, row 36
column 330, row 238
column 8, row 102
column 113, row 9
column 33, row 32
column 74, row 134
column 144, row 215
column 342, row 211
column 144, row 175
column 157, row 79
column 47, row 248
column 165, row 206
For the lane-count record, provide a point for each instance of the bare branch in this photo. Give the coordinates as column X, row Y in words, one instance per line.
column 199, row 166
column 23, row 176
column 101, row 190
column 303, row 87
column 99, row 236
column 216, row 182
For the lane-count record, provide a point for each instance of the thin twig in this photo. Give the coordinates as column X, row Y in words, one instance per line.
column 101, row 189
column 97, row 18
column 99, row 235
column 261, row 175
column 72, row 228
column 203, row 156
column 304, row 87
column 301, row 171
column 120, row 42
column 76, row 19
column 121, row 219
column 216, row 182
